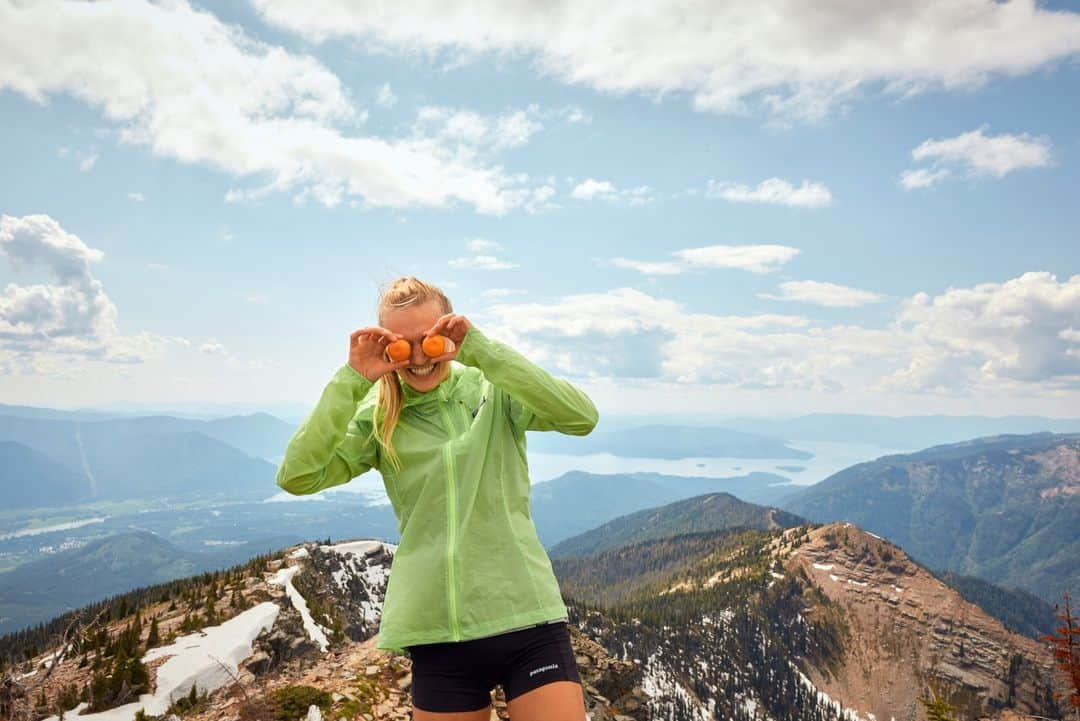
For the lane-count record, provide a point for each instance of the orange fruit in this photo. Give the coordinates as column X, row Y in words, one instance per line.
column 437, row 345
column 399, row 350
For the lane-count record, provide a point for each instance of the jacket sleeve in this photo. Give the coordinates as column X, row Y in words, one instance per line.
column 537, row 400
column 333, row 445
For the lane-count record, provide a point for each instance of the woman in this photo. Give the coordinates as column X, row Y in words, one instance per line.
column 471, row 597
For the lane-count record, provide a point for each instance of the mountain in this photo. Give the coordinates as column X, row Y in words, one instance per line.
column 578, row 501
column 665, row 441
column 1004, row 508
column 827, row 622
column 1018, row 610
column 266, row 639
column 56, row 413
column 824, row 622
column 29, row 478
column 258, row 434
column 39, row 590
column 147, row 457
column 912, row 432
column 898, row 613
column 709, row 512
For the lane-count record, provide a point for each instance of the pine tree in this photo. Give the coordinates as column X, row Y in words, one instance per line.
column 937, row 708
column 1066, row 642
column 154, row 638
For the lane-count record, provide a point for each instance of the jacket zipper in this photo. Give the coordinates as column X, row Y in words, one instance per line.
column 451, row 520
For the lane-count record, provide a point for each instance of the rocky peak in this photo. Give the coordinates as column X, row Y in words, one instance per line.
column 906, row 626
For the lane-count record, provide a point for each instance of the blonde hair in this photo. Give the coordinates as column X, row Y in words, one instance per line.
column 398, row 293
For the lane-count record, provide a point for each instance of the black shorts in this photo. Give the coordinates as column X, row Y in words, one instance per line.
column 460, row 675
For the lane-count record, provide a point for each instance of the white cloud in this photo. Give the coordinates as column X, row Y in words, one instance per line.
column 72, row 317
column 189, row 87
column 539, row 199
column 213, row 347
column 993, row 334
column 796, row 59
column 753, row 258
column 590, row 189
column 922, row 178
column 85, row 159
column 625, row 333
column 157, row 266
column 573, row 114
column 774, row 191
column 137, row 197
column 830, row 295
column 976, row 154
column 479, row 245
column 508, row 130
column 651, row 268
column 385, row 96
column 501, row 292
column 1021, row 336
column 482, row 262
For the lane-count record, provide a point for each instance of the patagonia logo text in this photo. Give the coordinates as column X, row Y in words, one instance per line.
column 543, row 668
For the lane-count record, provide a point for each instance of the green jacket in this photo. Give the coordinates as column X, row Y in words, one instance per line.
column 469, row 563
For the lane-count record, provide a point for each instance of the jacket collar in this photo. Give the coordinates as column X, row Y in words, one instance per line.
column 441, row 392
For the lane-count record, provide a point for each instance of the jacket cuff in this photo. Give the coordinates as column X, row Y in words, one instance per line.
column 349, row 375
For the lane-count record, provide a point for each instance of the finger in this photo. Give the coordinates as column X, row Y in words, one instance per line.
column 440, row 325
column 376, row 333
column 364, row 332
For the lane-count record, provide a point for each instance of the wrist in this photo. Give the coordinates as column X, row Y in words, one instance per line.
column 351, row 375
column 472, row 346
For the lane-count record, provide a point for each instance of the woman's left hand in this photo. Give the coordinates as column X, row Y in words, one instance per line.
column 454, row 327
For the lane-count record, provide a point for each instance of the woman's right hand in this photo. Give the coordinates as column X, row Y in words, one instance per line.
column 367, row 352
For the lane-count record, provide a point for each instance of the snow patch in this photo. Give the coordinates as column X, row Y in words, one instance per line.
column 359, row 548
column 845, row 713
column 664, row 688
column 355, row 565
column 316, row 632
column 193, row 659
column 823, row 566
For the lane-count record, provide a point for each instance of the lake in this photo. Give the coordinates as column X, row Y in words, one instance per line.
column 829, row 457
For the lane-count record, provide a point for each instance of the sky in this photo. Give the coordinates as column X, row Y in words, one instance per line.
column 718, row 207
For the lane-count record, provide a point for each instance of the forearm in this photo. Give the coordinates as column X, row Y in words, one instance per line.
column 555, row 401
column 318, row 456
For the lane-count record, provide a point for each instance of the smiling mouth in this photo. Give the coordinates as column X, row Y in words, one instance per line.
column 423, row 371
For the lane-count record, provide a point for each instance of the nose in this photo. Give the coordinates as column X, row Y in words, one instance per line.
column 418, row 357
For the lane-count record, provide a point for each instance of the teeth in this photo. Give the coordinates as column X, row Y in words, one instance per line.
column 423, row 371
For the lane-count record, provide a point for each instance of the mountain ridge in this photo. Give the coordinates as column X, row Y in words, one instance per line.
column 1004, row 508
